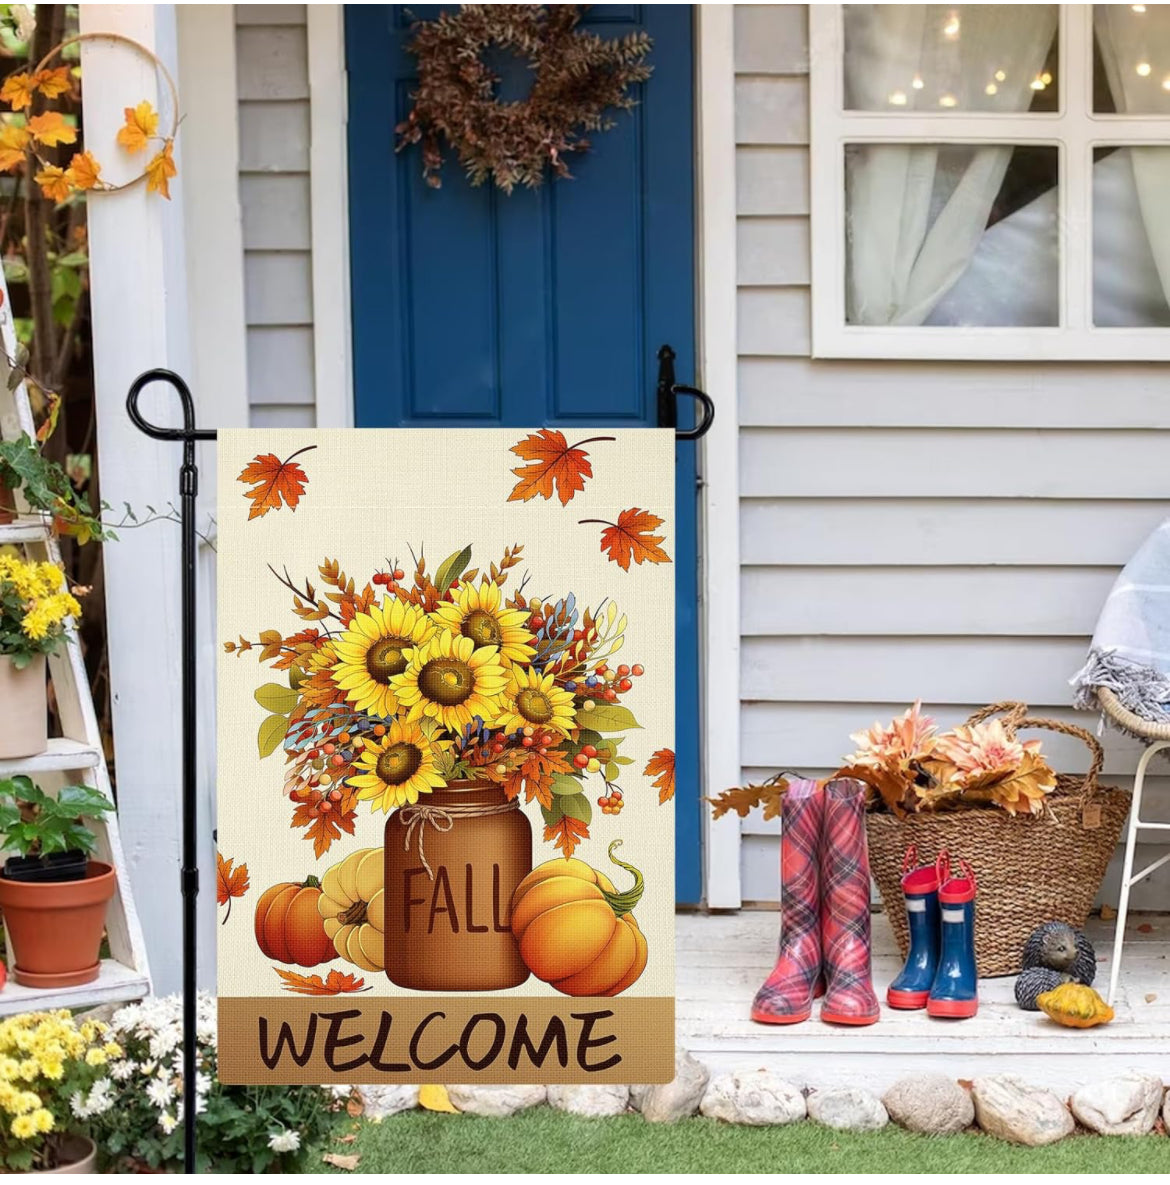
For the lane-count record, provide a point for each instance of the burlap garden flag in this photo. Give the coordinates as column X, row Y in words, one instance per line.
column 446, row 756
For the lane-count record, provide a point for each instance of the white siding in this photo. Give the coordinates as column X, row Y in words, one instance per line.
column 944, row 530
column 272, row 80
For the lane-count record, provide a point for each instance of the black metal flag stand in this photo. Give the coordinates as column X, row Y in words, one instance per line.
column 189, row 872
column 668, row 390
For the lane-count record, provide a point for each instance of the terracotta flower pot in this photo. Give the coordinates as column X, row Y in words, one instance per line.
column 24, row 711
column 75, row 1154
column 55, row 927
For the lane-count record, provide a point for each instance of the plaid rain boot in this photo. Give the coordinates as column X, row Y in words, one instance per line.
column 845, row 938
column 920, row 889
column 787, row 995
column 955, row 993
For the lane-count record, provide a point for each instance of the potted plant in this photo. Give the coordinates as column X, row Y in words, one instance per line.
column 35, row 606
column 46, row 487
column 241, row 1129
column 53, row 1077
column 53, row 896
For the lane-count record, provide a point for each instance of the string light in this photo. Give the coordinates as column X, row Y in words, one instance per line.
column 1046, row 78
column 1000, row 76
column 1138, row 7
column 918, row 84
column 1037, row 83
column 1166, row 83
column 951, row 28
column 948, row 101
column 1144, row 68
column 991, row 89
column 898, row 99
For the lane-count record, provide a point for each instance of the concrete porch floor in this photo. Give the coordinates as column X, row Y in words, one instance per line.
column 722, row 959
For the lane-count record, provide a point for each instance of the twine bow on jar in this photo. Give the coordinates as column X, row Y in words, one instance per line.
column 442, row 818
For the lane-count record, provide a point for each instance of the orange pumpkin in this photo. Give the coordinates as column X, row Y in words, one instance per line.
column 289, row 927
column 576, row 930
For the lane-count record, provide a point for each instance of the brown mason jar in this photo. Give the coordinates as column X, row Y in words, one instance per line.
column 453, row 861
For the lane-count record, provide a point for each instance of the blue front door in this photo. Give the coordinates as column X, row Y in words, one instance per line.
column 544, row 307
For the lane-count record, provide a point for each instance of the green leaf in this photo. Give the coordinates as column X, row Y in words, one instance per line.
column 556, row 812
column 611, row 772
column 272, row 730
column 566, row 784
column 576, row 806
column 275, row 697
column 296, row 676
column 84, row 800
column 607, row 718
column 9, row 815
column 454, row 565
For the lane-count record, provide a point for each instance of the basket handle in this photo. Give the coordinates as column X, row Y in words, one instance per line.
column 1014, row 711
column 1091, row 780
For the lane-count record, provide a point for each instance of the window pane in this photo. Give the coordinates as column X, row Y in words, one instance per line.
column 951, row 234
column 939, row 57
column 1131, row 237
column 1131, row 59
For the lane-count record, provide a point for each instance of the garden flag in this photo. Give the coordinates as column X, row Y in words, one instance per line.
column 445, row 760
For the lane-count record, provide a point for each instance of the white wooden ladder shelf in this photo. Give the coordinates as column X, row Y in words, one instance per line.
column 76, row 757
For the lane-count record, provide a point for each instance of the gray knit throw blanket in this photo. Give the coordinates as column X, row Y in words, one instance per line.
column 1130, row 651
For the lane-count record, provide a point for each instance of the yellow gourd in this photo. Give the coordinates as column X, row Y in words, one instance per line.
column 352, row 905
column 1075, row 1005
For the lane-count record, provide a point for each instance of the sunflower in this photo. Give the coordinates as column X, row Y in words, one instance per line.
column 449, row 679
column 478, row 613
column 533, row 700
column 374, row 649
column 399, row 767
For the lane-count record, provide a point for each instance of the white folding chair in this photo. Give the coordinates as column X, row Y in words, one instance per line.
column 1158, row 736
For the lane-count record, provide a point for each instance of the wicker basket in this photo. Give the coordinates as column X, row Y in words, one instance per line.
column 1030, row 869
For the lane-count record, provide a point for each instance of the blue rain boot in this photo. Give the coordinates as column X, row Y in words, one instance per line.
column 955, row 994
column 920, row 889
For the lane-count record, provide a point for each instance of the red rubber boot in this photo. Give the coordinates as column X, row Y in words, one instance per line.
column 787, row 995
column 845, row 933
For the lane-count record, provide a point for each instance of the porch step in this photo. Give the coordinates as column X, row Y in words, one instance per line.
column 722, row 960
column 62, row 754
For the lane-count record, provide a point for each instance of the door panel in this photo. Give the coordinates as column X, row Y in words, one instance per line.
column 543, row 307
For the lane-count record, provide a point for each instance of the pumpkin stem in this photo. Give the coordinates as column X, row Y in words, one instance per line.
column 623, row 903
column 355, row 915
column 310, row 882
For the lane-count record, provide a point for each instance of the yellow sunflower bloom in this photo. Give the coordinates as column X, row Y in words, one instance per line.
column 374, row 649
column 451, row 681
column 533, row 700
column 478, row 613
column 399, row 767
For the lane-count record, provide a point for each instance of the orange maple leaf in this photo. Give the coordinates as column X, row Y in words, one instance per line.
column 54, row 183
column 661, row 768
column 141, row 124
column 630, row 538
column 323, row 829
column 535, row 777
column 14, row 142
column 333, row 984
column 568, row 833
column 51, row 129
column 229, row 882
column 160, row 169
column 53, row 83
column 18, row 90
column 273, row 480
column 552, row 460
column 84, row 171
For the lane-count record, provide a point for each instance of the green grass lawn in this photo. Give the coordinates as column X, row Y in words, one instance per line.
column 544, row 1141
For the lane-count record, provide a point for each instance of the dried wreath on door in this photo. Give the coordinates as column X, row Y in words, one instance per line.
column 577, row 78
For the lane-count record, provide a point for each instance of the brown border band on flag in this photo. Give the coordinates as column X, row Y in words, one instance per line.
column 477, row 1039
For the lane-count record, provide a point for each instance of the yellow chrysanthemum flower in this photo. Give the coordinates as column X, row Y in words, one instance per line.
column 534, row 700
column 399, row 767
column 42, row 1119
column 374, row 649
column 478, row 613
column 24, row 1127
column 452, row 681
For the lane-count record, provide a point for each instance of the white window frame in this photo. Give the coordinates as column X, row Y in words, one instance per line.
column 1075, row 131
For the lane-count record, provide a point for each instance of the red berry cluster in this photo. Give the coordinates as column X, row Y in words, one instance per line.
column 591, row 758
column 389, row 578
column 611, row 803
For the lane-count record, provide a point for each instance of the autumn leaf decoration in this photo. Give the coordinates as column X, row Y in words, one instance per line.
column 552, row 461
column 274, row 482
column 660, row 767
column 631, row 538
column 30, row 139
column 229, row 882
column 334, row 984
column 566, row 833
column 745, row 799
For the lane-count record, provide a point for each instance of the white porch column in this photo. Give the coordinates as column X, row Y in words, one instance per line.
column 141, row 319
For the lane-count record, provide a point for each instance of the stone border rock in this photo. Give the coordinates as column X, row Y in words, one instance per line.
column 1002, row 1105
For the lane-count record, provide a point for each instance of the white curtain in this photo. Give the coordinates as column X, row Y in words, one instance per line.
column 914, row 214
column 1134, row 49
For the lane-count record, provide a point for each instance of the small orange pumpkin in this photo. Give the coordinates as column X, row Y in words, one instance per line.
column 576, row 930
column 289, row 927
column 1075, row 1006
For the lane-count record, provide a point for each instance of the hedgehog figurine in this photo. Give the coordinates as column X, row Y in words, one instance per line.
column 1058, row 947
column 1033, row 982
